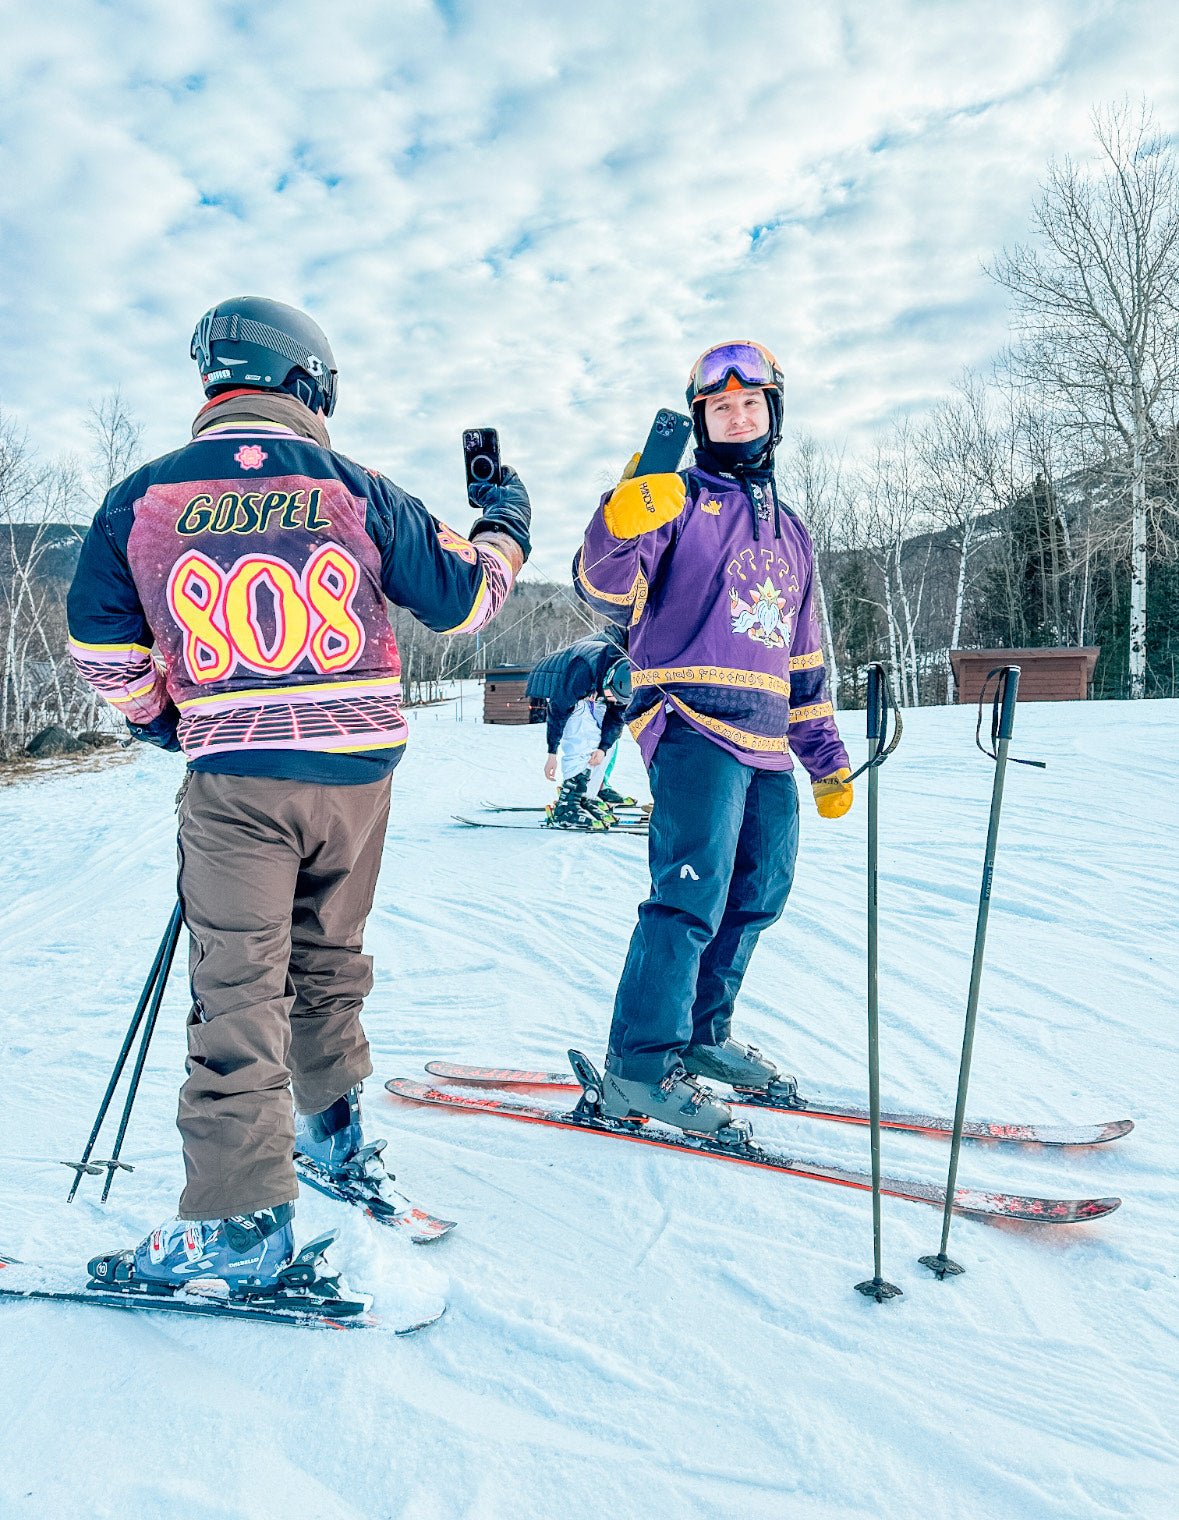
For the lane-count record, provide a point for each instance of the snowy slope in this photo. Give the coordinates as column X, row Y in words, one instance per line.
column 632, row 1332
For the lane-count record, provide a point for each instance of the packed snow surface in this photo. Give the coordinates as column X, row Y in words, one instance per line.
column 633, row 1332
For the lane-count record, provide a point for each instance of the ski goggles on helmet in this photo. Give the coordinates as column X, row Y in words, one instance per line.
column 732, row 366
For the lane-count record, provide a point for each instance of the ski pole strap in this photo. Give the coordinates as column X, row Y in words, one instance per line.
column 1002, row 713
column 880, row 701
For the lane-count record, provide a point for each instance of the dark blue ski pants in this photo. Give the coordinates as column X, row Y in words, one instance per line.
column 722, row 846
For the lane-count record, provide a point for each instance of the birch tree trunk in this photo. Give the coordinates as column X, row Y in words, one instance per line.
column 1098, row 299
column 894, row 638
column 1138, row 554
column 959, row 603
column 828, row 641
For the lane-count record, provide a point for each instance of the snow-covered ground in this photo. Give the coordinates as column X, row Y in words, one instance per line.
column 632, row 1332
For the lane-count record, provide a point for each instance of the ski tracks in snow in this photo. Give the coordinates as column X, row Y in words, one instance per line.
column 632, row 1331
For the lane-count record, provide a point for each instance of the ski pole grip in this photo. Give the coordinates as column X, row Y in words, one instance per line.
column 1010, row 697
column 875, row 680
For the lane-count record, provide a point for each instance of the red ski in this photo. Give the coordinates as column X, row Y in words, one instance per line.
column 813, row 1108
column 966, row 1200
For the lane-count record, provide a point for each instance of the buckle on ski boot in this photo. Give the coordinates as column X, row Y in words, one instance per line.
column 114, row 1267
column 114, row 1272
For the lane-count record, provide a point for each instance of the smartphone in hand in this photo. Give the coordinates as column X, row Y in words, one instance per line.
column 665, row 443
column 481, row 456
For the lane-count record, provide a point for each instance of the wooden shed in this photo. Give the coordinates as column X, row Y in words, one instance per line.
column 1045, row 675
column 505, row 695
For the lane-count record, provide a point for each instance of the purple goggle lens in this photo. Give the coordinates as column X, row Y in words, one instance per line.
column 752, row 365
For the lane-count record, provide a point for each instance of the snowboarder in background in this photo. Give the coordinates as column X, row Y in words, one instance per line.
column 256, row 561
column 713, row 573
column 586, row 687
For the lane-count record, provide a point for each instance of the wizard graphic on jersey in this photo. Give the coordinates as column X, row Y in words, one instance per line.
column 763, row 617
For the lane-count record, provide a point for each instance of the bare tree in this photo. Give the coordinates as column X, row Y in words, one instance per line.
column 958, row 446
column 115, row 440
column 812, row 481
column 1097, row 298
column 893, row 503
column 19, row 484
column 1027, row 465
column 38, row 543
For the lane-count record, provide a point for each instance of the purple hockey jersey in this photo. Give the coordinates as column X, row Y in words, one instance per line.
column 722, row 627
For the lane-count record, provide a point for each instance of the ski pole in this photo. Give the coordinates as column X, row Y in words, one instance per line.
column 1002, row 721
column 85, row 1166
column 157, row 997
column 875, row 1287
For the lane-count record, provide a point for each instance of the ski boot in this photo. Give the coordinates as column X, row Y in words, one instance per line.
column 567, row 812
column 595, row 807
column 615, row 799
column 741, row 1066
column 242, row 1264
column 333, row 1137
column 247, row 1252
column 331, row 1155
column 678, row 1100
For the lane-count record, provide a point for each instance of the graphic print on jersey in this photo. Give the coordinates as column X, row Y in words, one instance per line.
column 258, row 615
column 768, row 616
column 269, row 611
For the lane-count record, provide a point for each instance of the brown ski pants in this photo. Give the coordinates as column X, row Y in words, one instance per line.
column 276, row 881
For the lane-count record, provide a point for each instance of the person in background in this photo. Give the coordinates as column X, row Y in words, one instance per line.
column 586, row 687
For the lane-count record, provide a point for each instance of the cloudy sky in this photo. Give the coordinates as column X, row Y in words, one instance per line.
column 531, row 213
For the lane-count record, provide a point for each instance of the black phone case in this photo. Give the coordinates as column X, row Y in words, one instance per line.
column 481, row 456
column 665, row 443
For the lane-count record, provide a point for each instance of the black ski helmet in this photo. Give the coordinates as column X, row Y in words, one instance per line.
column 739, row 365
column 616, row 682
column 254, row 343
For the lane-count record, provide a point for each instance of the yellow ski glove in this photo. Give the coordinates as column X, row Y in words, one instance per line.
column 639, row 506
column 833, row 794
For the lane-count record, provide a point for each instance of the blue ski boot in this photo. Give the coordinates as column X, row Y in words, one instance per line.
column 331, row 1156
column 245, row 1251
column 331, row 1138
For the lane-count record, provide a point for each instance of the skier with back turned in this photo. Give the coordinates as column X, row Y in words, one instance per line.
column 256, row 561
column 713, row 574
column 586, row 687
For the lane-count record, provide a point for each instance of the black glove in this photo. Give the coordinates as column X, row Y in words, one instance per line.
column 505, row 508
column 161, row 731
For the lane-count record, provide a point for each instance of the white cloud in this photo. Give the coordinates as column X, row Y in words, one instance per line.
column 532, row 215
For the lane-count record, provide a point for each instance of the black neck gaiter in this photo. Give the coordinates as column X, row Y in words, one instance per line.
column 755, row 455
column 752, row 463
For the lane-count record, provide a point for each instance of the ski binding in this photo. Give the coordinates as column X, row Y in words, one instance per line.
column 363, row 1181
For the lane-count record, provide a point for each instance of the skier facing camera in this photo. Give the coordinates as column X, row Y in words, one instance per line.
column 713, row 574
column 586, row 687
column 257, row 561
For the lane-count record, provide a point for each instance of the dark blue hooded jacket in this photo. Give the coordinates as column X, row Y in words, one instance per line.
column 571, row 676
